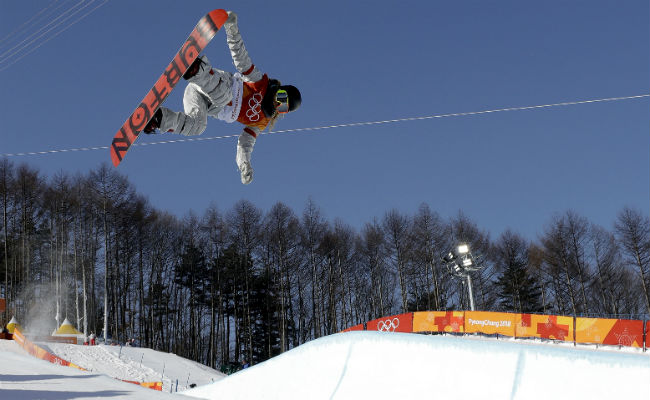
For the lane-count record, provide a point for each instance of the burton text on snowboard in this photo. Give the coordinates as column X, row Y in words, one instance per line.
column 204, row 31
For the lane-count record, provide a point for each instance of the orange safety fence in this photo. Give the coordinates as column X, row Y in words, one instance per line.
column 43, row 354
column 439, row 321
column 153, row 385
column 622, row 332
column 39, row 352
column 394, row 323
column 150, row 385
column 553, row 327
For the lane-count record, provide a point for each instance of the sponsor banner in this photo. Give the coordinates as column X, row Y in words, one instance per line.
column 544, row 327
column 354, row 328
column 619, row 332
column 55, row 339
column 490, row 323
column 394, row 323
column 438, row 321
column 54, row 359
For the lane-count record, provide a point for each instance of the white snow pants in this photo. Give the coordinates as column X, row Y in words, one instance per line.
column 195, row 118
column 206, row 94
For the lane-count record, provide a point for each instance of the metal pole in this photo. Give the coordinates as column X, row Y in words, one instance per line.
column 471, row 295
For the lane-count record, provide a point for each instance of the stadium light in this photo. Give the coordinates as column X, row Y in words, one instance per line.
column 449, row 258
column 460, row 264
column 463, row 249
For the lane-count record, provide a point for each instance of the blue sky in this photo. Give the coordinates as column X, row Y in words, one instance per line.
column 355, row 62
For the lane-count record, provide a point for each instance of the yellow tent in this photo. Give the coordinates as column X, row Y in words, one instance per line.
column 13, row 324
column 66, row 328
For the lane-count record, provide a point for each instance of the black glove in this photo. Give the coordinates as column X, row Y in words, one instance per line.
column 154, row 123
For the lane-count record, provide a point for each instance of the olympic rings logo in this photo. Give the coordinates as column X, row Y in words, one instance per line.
column 254, row 107
column 388, row 325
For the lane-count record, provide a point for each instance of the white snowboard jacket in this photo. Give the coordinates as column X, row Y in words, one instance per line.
column 247, row 73
column 231, row 97
column 226, row 96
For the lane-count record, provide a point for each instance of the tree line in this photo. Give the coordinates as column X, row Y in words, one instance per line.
column 244, row 283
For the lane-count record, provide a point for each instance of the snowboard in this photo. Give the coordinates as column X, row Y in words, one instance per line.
column 203, row 32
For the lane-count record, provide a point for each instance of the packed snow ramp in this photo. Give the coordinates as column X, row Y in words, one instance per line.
column 381, row 365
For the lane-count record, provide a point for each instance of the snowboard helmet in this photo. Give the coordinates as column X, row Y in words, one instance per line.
column 269, row 105
column 293, row 94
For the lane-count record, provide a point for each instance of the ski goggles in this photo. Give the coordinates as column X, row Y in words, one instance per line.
column 282, row 101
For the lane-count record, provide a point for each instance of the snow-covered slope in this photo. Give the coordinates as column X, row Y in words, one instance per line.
column 137, row 364
column 362, row 365
column 11, row 347
column 377, row 365
column 23, row 377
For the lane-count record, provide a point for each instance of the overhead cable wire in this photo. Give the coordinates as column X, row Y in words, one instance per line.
column 54, row 35
column 39, row 30
column 31, row 21
column 347, row 125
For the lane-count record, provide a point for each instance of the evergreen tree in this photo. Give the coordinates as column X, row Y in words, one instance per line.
column 518, row 290
column 261, row 310
column 266, row 328
column 192, row 274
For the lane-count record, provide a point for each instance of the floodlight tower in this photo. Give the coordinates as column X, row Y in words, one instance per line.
column 460, row 263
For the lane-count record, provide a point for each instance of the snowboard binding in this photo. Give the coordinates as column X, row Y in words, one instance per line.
column 154, row 123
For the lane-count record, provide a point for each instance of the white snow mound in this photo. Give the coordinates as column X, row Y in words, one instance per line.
column 137, row 364
column 380, row 365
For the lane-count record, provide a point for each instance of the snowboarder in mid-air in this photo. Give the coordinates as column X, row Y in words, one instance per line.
column 248, row 97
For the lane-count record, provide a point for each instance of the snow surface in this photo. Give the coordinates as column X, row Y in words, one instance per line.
column 23, row 377
column 19, row 374
column 11, row 347
column 137, row 364
column 375, row 365
column 379, row 365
